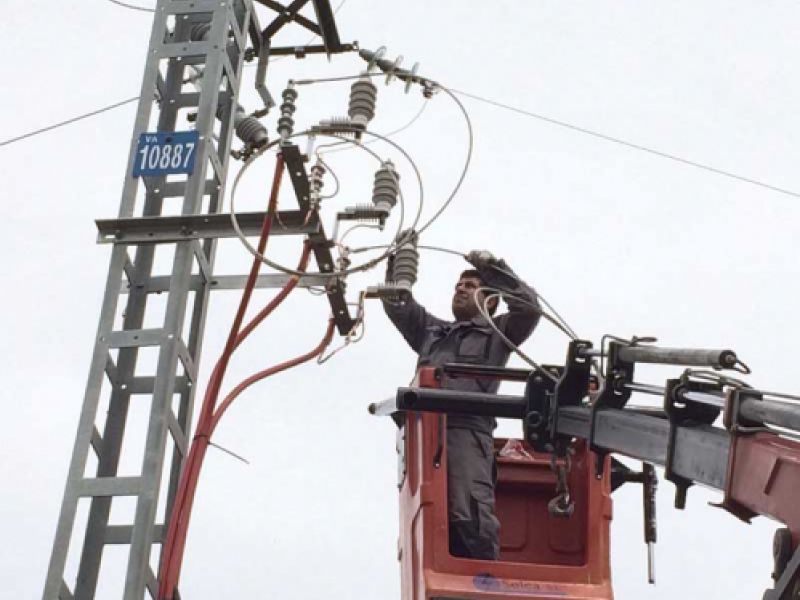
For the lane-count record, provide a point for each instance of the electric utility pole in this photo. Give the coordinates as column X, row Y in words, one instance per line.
column 172, row 195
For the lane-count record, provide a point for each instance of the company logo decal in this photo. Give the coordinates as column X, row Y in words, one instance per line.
column 486, row 582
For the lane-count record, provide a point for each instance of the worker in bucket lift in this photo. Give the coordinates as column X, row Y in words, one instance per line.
column 471, row 469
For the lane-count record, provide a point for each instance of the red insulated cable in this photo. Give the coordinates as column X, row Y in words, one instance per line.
column 173, row 545
column 279, row 297
column 298, row 360
column 176, row 543
column 202, row 447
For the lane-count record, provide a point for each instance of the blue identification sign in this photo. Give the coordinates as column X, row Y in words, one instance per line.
column 166, row 153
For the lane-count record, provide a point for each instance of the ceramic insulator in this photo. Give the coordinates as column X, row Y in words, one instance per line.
column 363, row 96
column 386, row 187
column 250, row 130
column 286, row 121
column 406, row 261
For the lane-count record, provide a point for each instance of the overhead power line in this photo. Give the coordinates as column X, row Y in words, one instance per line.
column 131, row 6
column 622, row 142
column 515, row 109
column 68, row 121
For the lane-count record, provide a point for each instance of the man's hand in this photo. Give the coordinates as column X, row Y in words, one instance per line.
column 480, row 259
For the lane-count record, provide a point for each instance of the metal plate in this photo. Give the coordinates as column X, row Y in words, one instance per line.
column 166, row 153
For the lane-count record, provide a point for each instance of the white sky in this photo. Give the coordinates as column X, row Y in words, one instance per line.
column 618, row 240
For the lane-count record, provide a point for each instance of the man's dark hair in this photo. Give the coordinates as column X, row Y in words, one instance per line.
column 474, row 273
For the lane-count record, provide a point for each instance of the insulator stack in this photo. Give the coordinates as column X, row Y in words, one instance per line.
column 386, row 187
column 315, row 183
column 249, row 129
column 406, row 261
column 286, row 121
column 393, row 69
column 363, row 96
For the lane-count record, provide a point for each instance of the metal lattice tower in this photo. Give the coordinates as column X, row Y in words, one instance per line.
column 180, row 213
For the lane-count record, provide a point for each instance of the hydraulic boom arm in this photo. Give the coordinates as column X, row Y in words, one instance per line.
column 754, row 459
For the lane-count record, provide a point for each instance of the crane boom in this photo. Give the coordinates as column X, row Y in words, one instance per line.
column 754, row 459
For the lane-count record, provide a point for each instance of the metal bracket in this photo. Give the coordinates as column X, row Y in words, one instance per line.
column 680, row 411
column 573, row 385
column 325, row 26
column 180, row 228
column 732, row 419
column 682, row 484
column 737, row 427
column 261, row 75
column 539, row 412
column 546, row 399
column 320, row 244
column 612, row 394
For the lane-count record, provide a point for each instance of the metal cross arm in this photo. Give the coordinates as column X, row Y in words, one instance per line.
column 320, row 244
column 325, row 27
column 179, row 228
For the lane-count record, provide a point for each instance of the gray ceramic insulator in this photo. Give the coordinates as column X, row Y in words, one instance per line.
column 286, row 122
column 363, row 96
column 386, row 188
column 406, row 263
column 249, row 129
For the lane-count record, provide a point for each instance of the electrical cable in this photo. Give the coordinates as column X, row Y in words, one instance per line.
column 233, row 394
column 470, row 140
column 482, row 308
column 350, row 338
column 556, row 319
column 550, row 120
column 538, row 309
column 569, row 331
column 68, row 121
column 447, row 202
column 494, row 103
column 372, row 141
column 279, row 297
column 632, row 145
column 420, row 246
column 334, row 273
column 175, row 540
column 122, row 102
column 354, row 227
column 314, row 80
column 132, row 6
column 335, row 178
column 445, row 250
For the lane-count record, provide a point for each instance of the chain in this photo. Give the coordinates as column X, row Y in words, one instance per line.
column 562, row 505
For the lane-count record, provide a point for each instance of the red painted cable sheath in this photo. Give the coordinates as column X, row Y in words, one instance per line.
column 279, row 297
column 175, row 540
column 201, row 448
column 326, row 340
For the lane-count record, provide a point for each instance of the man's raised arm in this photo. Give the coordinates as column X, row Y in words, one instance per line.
column 524, row 309
column 411, row 320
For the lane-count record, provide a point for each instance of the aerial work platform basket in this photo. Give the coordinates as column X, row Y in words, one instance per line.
column 542, row 557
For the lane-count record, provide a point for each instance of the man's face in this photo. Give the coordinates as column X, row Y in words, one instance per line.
column 464, row 307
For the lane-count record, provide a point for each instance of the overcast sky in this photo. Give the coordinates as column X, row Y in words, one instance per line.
column 620, row 241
